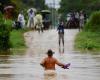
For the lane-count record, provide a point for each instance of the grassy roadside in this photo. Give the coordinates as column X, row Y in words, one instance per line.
column 88, row 41
column 89, row 38
column 17, row 39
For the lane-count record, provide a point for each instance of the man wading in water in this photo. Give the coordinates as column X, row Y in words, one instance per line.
column 48, row 64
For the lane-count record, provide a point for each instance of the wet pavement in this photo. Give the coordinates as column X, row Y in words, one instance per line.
column 84, row 66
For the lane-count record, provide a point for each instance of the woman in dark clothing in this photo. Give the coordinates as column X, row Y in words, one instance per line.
column 61, row 33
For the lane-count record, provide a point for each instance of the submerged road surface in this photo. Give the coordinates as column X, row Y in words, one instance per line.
column 84, row 66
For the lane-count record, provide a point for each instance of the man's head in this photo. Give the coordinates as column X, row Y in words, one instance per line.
column 50, row 53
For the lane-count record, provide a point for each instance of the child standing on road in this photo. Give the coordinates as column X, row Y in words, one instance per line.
column 61, row 32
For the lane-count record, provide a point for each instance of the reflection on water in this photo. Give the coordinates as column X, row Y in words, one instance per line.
column 26, row 67
column 61, row 49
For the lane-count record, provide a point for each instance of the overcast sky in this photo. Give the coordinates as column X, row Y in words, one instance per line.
column 51, row 1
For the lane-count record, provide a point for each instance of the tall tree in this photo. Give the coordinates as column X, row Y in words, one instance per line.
column 39, row 4
column 4, row 3
column 24, row 4
column 77, row 5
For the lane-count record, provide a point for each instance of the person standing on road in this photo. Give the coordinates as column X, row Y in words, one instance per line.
column 39, row 22
column 21, row 19
column 31, row 15
column 81, row 19
column 61, row 32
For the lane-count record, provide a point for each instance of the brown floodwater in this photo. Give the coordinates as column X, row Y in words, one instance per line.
column 84, row 66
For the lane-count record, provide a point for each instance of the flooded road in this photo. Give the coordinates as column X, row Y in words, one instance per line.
column 84, row 66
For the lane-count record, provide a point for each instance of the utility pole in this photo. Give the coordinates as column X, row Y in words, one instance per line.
column 54, row 12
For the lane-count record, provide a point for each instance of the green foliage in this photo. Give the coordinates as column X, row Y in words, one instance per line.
column 4, row 3
column 1, row 18
column 88, row 41
column 89, row 38
column 25, row 4
column 39, row 4
column 9, row 24
column 93, row 23
column 17, row 39
column 4, row 38
column 76, row 5
column 4, row 35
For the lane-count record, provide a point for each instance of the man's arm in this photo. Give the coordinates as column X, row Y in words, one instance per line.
column 59, row 63
column 42, row 63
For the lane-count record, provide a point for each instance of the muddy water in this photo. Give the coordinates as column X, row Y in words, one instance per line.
column 84, row 66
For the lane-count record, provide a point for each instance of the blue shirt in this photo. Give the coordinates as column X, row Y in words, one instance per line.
column 60, row 29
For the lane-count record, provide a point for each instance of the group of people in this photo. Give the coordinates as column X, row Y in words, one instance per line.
column 76, row 19
column 49, row 62
column 34, row 20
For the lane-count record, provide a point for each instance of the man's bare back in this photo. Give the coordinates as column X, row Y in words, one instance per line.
column 49, row 62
